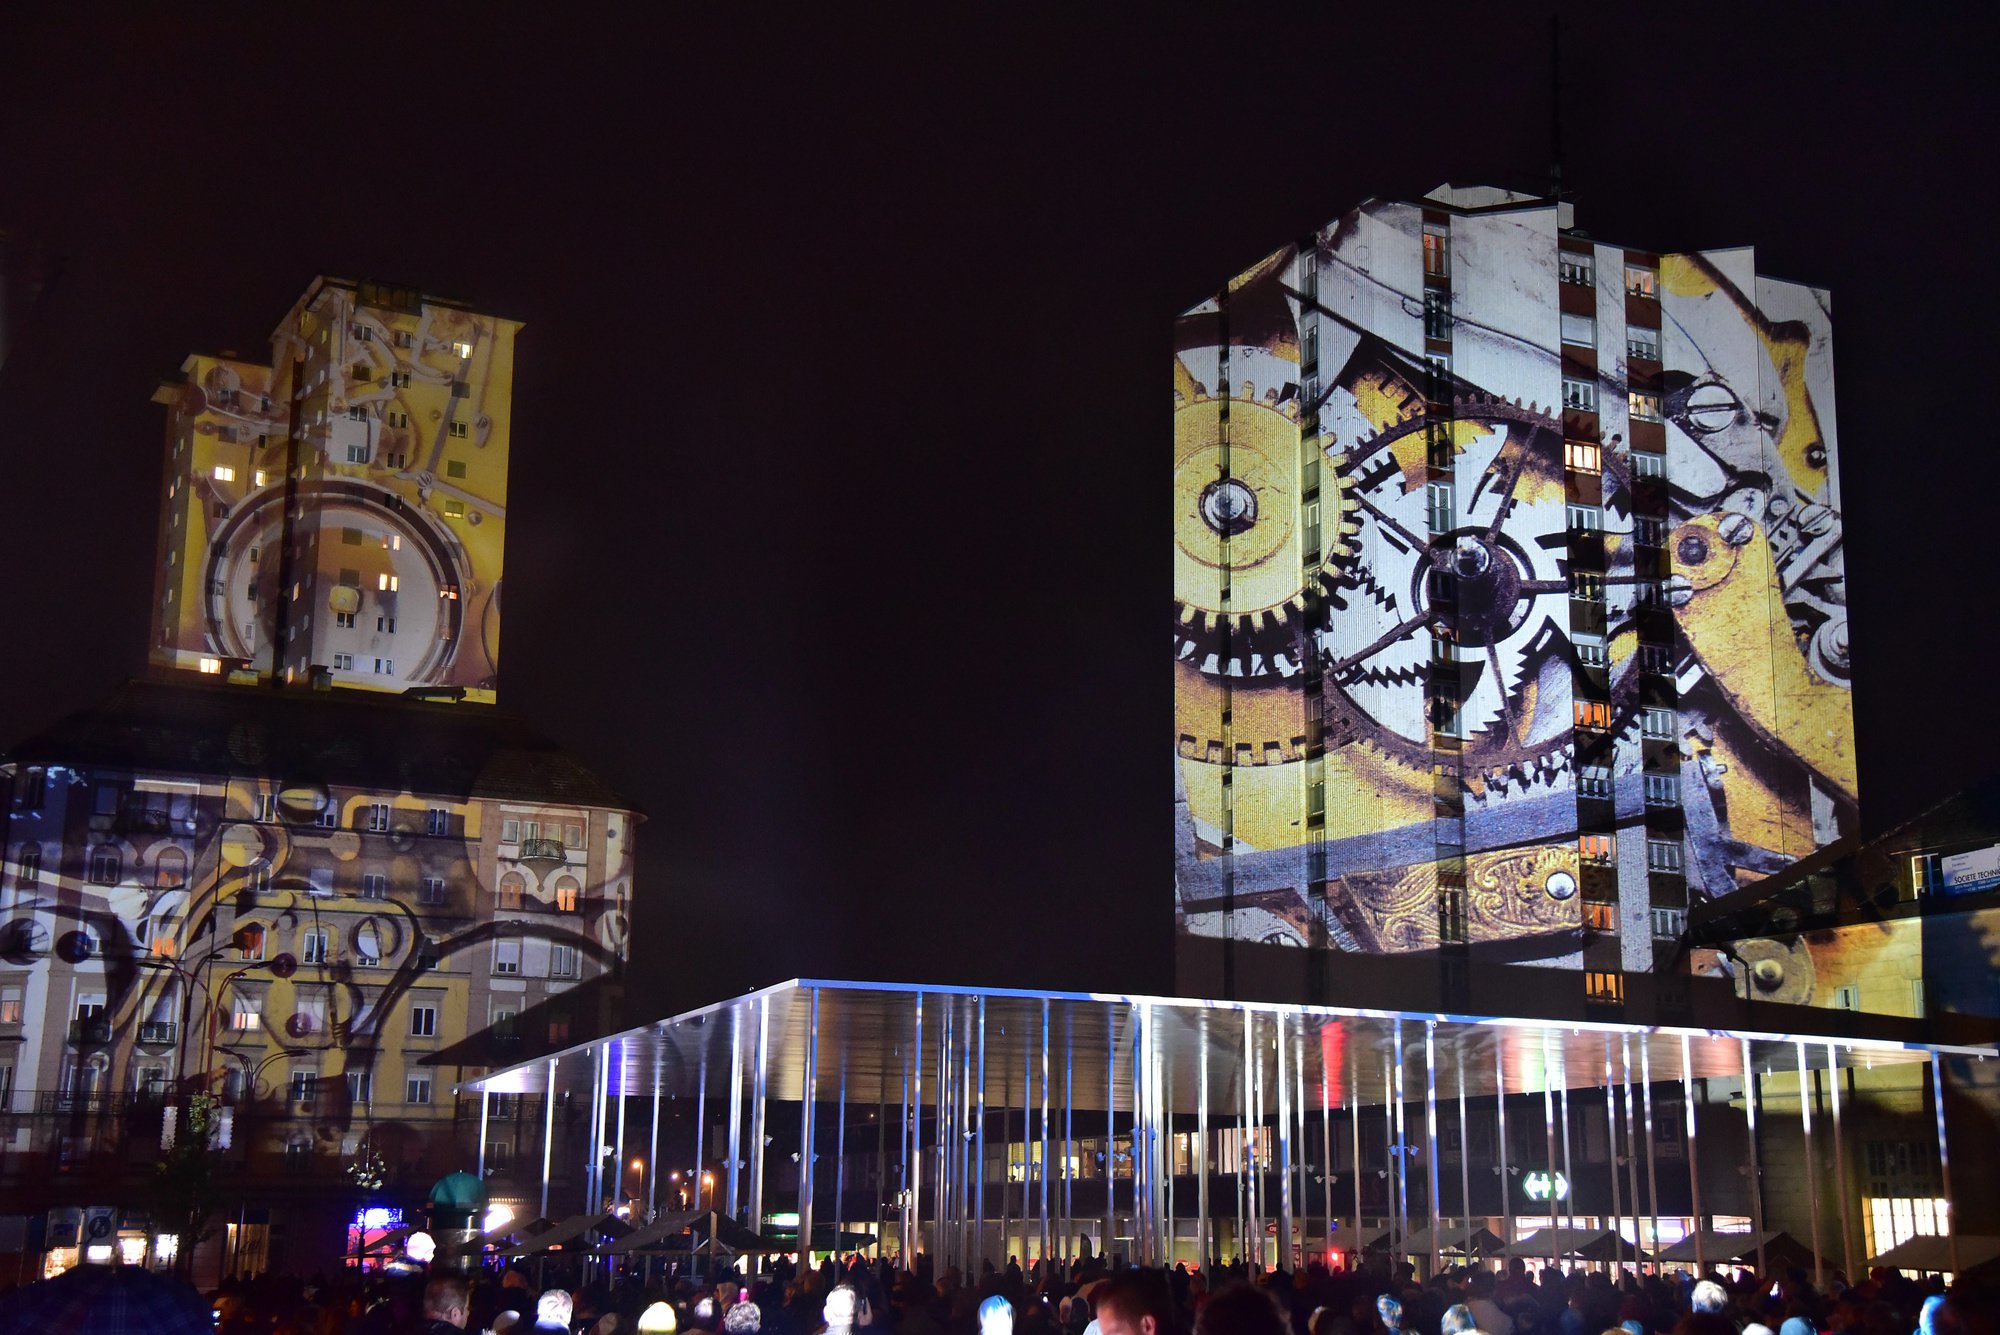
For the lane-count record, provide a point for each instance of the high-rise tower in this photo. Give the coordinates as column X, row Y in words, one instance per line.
column 338, row 516
column 1510, row 605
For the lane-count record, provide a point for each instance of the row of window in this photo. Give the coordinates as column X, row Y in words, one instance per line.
column 1601, row 850
column 1602, row 916
column 1580, row 396
column 1578, row 267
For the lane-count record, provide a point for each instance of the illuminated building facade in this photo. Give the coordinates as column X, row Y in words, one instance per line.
column 308, row 871
column 339, row 514
column 1510, row 615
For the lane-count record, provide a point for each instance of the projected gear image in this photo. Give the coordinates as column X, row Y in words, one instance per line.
column 1483, row 587
column 1239, row 508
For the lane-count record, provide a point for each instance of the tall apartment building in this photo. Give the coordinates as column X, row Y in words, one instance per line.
column 305, row 870
column 341, row 511
column 1510, row 615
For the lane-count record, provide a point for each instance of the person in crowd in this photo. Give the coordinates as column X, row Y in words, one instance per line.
column 447, row 1303
column 553, row 1311
column 1242, row 1309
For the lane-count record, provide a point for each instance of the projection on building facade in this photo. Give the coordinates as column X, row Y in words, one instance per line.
column 381, row 429
column 1508, row 588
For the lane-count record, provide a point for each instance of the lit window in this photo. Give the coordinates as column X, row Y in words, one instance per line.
column 1641, row 282
column 1437, row 252
column 211, row 666
column 257, row 478
column 1604, row 987
column 1579, row 330
column 1926, row 873
column 1642, row 345
column 388, row 583
column 1582, row 456
column 1600, row 917
column 250, row 943
column 423, row 1022
column 224, row 473
column 1573, row 267
column 454, row 509
column 1600, row 849
column 462, row 349
column 1644, row 407
column 1593, row 714
column 566, row 896
column 246, row 1012
column 10, row 1005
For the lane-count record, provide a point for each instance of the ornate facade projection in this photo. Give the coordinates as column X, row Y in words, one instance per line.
column 1508, row 589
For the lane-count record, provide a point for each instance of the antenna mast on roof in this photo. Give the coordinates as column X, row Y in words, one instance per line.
column 1555, row 108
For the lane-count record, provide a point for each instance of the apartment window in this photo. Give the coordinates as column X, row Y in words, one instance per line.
column 350, row 578
column 1658, row 724
column 1604, row 988
column 417, row 1089
column 1926, row 873
column 397, row 420
column 362, row 334
column 399, row 379
column 357, row 414
column 360, row 1088
column 250, row 942
column 224, row 473
column 1642, row 345
column 1649, row 593
column 385, row 624
column 1600, row 917
column 246, row 1012
column 1663, row 790
column 385, row 667
column 1599, row 849
column 1579, row 395
column 312, row 946
column 304, row 1085
column 368, row 945
column 423, row 1022
column 464, row 350
column 454, row 468
column 507, row 956
column 1447, row 716
column 1574, row 267
column 374, row 885
column 1582, row 456
column 1437, row 376
column 566, row 896
column 1656, row 659
column 430, row 890
column 1451, row 914
column 1645, row 407
column 573, row 836
column 510, row 831
column 454, row 508
column 1847, row 998
column 106, row 865
column 388, row 583
column 10, row 1005
column 405, row 339
column 1437, row 252
column 1642, row 282
column 1438, row 505
column 1594, row 781
column 1669, row 924
column 1586, row 586
column 562, row 961
column 1585, row 518
column 511, row 886
column 328, row 816
column 1437, row 314
column 344, row 621
column 343, row 662
column 437, row 821
column 1663, row 855
column 1579, row 330
column 1595, row 714
column 377, row 814
column 457, row 429
column 1590, row 652
column 357, row 454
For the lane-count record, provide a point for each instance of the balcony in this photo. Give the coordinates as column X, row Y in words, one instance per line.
column 158, row 1032
column 91, row 1031
column 541, row 850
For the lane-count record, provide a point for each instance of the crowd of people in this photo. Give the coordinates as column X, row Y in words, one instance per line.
column 1091, row 1298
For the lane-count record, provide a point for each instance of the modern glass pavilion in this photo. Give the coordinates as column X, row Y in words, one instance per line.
column 1232, row 1115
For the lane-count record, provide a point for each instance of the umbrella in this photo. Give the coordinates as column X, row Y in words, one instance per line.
column 1589, row 1244
column 1933, row 1252
column 1780, row 1249
column 108, row 1300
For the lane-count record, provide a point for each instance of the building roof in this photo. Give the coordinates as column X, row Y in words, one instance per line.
column 337, row 738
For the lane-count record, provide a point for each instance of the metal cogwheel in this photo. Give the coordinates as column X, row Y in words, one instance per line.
column 1508, row 618
column 1242, row 524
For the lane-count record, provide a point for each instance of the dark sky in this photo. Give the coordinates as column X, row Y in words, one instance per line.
column 839, row 509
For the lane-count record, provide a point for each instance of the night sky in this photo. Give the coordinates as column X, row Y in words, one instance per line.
column 839, row 506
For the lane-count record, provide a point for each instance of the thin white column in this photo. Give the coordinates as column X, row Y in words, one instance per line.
column 1354, row 1107
column 979, row 1182
column 1253, row 1167
column 1431, row 1137
column 1944, row 1162
column 700, row 1129
column 1464, row 1155
column 808, row 1149
column 735, row 1201
column 1839, row 1161
column 1402, row 1154
column 482, row 1133
column 913, row 1164
column 1611, row 1129
column 1284, row 1259
column 1110, row 1125
column 1044, row 1175
column 651, row 1180
column 1652, row 1167
column 1812, row 1175
column 1569, row 1195
column 1694, row 1153
column 840, row 1154
column 1326, row 1133
column 1201, row 1230
column 1500, row 1136
column 548, row 1132
column 1069, row 1130
column 1631, row 1136
column 1549, row 1130
column 760, row 1086
column 619, row 1143
column 1750, row 1102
